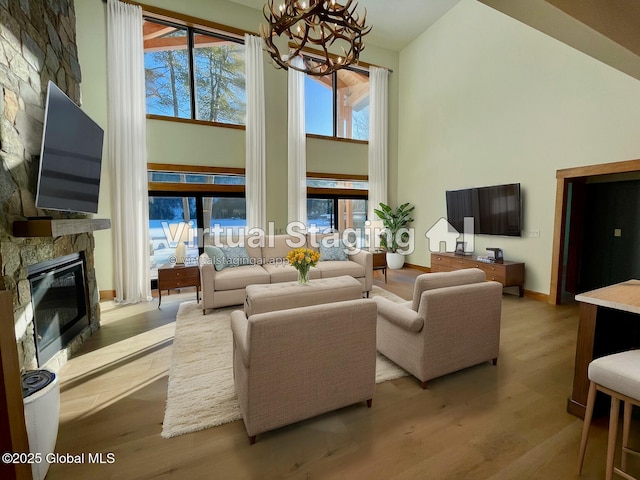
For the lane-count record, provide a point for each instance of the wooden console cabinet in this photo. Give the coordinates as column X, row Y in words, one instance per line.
column 509, row 274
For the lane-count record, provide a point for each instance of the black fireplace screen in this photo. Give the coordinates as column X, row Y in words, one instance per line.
column 59, row 299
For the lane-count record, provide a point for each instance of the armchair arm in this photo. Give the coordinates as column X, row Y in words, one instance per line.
column 401, row 316
column 207, row 280
column 364, row 258
column 207, row 270
column 239, row 325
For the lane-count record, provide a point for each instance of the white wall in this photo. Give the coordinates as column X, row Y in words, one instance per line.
column 484, row 100
column 91, row 38
column 172, row 142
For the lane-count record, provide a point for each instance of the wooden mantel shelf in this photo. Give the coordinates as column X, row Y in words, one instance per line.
column 58, row 228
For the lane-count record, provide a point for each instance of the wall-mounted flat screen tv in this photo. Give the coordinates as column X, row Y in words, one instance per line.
column 496, row 210
column 70, row 158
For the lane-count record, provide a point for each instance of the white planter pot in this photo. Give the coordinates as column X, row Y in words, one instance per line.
column 395, row 260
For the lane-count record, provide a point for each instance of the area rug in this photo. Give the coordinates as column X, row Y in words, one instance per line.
column 201, row 392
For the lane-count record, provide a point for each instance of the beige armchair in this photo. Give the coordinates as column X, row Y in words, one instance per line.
column 453, row 322
column 290, row 365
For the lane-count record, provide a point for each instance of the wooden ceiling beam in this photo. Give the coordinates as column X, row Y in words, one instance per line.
column 154, row 30
column 357, row 94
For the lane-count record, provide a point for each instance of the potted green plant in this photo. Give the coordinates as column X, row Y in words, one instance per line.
column 395, row 224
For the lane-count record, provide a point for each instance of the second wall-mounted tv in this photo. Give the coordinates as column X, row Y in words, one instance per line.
column 496, row 210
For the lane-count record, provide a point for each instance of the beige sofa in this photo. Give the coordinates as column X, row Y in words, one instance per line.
column 290, row 365
column 268, row 265
column 453, row 322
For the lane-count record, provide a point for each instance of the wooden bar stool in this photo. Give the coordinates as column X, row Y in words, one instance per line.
column 617, row 375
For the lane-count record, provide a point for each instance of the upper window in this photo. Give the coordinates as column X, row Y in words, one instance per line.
column 351, row 184
column 337, row 105
column 192, row 73
column 202, row 178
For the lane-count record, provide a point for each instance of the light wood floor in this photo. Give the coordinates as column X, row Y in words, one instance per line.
column 486, row 422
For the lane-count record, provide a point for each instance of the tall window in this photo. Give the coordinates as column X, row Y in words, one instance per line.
column 337, row 204
column 165, row 215
column 200, row 199
column 336, row 213
column 337, row 105
column 193, row 73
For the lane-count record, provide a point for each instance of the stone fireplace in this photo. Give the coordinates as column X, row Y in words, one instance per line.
column 38, row 43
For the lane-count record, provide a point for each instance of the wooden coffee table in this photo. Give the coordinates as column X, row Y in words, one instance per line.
column 172, row 276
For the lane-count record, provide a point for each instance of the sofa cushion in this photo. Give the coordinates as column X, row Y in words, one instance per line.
column 236, row 256
column 281, row 272
column 333, row 252
column 331, row 239
column 218, row 259
column 314, row 240
column 333, row 268
column 251, row 243
column 276, row 247
column 240, row 277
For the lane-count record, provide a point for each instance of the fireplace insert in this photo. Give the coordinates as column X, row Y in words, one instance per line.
column 59, row 298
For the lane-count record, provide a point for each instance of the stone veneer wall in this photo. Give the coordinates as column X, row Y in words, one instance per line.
column 37, row 44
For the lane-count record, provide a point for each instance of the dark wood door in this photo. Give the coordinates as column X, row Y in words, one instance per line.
column 611, row 234
column 576, row 208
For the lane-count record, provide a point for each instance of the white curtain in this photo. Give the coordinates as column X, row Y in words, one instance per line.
column 255, row 171
column 297, row 148
column 378, row 112
column 127, row 152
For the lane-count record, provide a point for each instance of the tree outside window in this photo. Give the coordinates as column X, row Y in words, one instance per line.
column 193, row 74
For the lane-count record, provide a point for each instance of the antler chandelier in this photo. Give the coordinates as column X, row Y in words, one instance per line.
column 319, row 24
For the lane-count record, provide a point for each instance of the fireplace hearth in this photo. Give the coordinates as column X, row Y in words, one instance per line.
column 60, row 303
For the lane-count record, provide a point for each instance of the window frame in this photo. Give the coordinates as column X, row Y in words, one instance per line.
column 197, row 190
column 193, row 26
column 362, row 68
column 347, row 193
column 336, row 193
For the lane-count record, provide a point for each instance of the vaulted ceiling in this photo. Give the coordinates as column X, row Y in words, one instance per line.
column 604, row 29
column 395, row 22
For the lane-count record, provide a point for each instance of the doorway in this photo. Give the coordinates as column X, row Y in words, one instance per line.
column 570, row 211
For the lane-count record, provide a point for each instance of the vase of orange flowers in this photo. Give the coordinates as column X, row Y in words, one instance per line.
column 302, row 259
